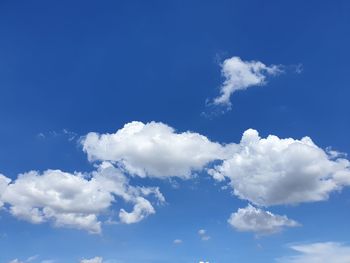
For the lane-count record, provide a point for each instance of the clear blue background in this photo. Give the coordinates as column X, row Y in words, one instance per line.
column 95, row 65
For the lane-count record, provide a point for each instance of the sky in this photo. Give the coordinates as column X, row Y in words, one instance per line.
column 174, row 131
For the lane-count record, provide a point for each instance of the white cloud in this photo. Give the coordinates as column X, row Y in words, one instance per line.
column 273, row 171
column 67, row 199
column 177, row 241
column 76, row 200
column 319, row 253
column 203, row 235
column 251, row 219
column 92, row 260
column 154, row 149
column 240, row 75
column 32, row 258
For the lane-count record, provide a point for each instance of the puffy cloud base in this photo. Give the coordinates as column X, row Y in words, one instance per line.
column 251, row 219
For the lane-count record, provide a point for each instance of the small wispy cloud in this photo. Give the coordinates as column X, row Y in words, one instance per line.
column 240, row 75
column 70, row 135
column 203, row 235
column 177, row 241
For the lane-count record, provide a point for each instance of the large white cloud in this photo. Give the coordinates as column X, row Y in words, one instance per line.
column 319, row 253
column 251, row 219
column 240, row 75
column 273, row 171
column 154, row 149
column 75, row 200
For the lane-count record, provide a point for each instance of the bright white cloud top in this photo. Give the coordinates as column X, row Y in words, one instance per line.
column 251, row 219
column 319, row 253
column 240, row 75
column 154, row 149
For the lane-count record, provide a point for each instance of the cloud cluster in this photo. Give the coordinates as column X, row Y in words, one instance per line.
column 251, row 219
column 319, row 253
column 264, row 171
column 240, row 75
column 154, row 149
column 75, row 200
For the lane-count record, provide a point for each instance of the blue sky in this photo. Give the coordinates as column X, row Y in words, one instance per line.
column 114, row 107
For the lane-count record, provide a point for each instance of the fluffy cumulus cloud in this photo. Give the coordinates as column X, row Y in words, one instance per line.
column 75, row 200
column 240, row 75
column 251, row 219
column 273, row 171
column 92, row 260
column 319, row 253
column 154, row 149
